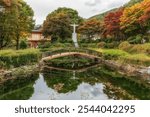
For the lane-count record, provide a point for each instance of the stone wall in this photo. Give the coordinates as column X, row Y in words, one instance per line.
column 129, row 70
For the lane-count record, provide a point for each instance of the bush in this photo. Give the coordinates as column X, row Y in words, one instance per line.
column 88, row 45
column 108, row 40
column 101, row 44
column 141, row 48
column 137, row 48
column 125, row 46
column 12, row 58
column 112, row 45
column 69, row 40
column 88, row 41
column 61, row 45
column 139, row 59
column 135, row 39
column 23, row 44
column 44, row 45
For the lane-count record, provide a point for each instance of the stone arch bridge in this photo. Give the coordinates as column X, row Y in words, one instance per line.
column 49, row 55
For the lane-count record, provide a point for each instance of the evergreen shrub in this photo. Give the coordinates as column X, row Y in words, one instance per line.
column 17, row 58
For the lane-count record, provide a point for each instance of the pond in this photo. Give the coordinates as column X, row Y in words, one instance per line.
column 96, row 83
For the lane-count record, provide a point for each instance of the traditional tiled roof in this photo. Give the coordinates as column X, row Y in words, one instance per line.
column 37, row 28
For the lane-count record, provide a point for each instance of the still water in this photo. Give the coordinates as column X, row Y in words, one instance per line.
column 97, row 83
column 83, row 91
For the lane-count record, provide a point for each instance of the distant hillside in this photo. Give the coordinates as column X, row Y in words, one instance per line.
column 101, row 16
column 130, row 3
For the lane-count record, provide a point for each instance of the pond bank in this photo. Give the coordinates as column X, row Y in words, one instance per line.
column 122, row 68
column 24, row 71
column 129, row 70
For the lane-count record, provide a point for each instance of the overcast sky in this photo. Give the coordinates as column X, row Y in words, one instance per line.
column 86, row 8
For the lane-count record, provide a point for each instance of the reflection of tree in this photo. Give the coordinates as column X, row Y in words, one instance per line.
column 114, row 92
column 19, row 89
column 19, row 94
column 61, row 81
column 116, row 86
column 91, row 76
column 128, row 87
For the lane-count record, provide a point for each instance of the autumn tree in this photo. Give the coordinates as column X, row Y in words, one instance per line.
column 90, row 28
column 24, row 23
column 144, row 20
column 133, row 2
column 6, row 24
column 112, row 24
column 134, row 18
column 16, row 21
column 57, row 23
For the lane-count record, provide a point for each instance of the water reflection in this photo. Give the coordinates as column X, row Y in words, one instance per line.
column 20, row 88
column 97, row 83
column 83, row 91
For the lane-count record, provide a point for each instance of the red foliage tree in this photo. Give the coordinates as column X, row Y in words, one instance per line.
column 112, row 24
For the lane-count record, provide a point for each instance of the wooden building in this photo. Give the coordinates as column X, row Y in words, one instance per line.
column 36, row 37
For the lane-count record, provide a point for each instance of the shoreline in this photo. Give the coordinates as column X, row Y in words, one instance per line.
column 25, row 71
column 121, row 68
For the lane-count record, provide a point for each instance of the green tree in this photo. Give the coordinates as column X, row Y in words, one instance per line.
column 7, row 13
column 25, row 22
column 57, row 23
column 16, row 21
column 23, row 44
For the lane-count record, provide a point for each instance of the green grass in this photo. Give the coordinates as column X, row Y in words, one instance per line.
column 122, row 56
column 113, row 53
column 139, row 59
column 18, row 52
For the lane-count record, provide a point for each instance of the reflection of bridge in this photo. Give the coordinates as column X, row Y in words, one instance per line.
column 70, row 70
column 71, row 52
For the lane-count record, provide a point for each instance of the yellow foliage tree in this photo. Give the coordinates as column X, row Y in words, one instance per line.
column 130, row 20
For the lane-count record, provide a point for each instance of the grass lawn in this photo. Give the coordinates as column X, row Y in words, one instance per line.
column 122, row 56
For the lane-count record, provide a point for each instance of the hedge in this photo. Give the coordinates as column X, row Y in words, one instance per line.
column 14, row 58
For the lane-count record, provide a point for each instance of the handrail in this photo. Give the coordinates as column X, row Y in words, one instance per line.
column 63, row 50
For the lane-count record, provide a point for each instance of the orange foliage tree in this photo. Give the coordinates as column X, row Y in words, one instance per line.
column 90, row 28
column 144, row 20
column 135, row 19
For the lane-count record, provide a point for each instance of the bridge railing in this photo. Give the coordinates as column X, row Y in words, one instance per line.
column 64, row 50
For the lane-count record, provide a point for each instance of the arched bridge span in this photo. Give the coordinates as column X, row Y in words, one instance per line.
column 49, row 55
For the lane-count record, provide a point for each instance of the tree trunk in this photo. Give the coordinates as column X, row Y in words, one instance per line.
column 17, row 42
column 1, row 44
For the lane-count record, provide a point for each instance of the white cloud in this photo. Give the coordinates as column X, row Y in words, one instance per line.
column 86, row 8
column 92, row 2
